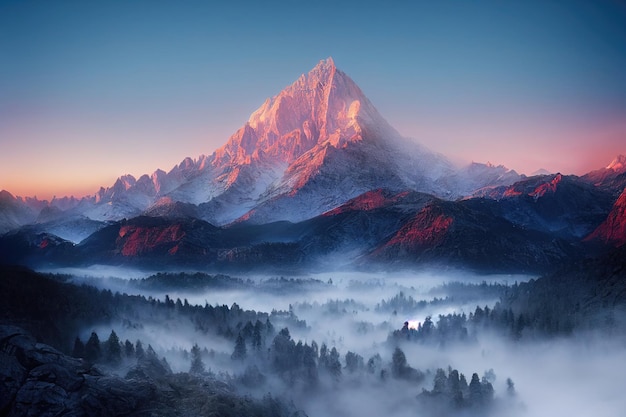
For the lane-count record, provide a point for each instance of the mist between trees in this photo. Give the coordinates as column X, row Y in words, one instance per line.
column 339, row 345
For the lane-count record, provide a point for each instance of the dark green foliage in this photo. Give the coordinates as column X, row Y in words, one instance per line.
column 92, row 348
column 401, row 303
column 510, row 387
column 240, row 351
column 257, row 336
column 398, row 362
column 150, row 353
column 374, row 364
column 451, row 392
column 196, row 281
column 475, row 390
column 129, row 349
column 283, row 349
column 252, row 377
column 139, row 352
column 354, row 362
column 294, row 362
column 333, row 365
column 57, row 311
column 400, row 368
column 79, row 348
column 112, row 349
column 197, row 366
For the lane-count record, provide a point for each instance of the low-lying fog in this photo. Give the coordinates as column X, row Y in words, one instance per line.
column 580, row 375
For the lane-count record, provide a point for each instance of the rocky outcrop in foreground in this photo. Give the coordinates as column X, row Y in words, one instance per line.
column 38, row 380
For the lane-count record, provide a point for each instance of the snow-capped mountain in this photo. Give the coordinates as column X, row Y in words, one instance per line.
column 310, row 148
column 611, row 177
column 317, row 144
column 313, row 146
column 14, row 212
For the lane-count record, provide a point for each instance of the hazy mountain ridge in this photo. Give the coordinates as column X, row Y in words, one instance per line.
column 565, row 205
column 380, row 227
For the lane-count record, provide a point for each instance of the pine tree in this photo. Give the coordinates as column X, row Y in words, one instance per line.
column 510, row 387
column 150, row 352
column 240, row 351
column 475, row 390
column 441, row 382
column 374, row 364
column 139, row 352
column 463, row 386
column 398, row 363
column 129, row 349
column 92, row 348
column 333, row 364
column 113, row 350
column 79, row 348
column 323, row 361
column 257, row 338
column 354, row 362
column 197, row 366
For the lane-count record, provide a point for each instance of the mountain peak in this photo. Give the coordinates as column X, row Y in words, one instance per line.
column 618, row 164
column 325, row 65
column 323, row 107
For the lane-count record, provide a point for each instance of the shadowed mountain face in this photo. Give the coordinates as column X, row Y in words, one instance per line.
column 378, row 228
column 613, row 230
column 566, row 206
column 469, row 234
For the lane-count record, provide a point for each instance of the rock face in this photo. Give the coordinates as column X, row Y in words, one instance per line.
column 469, row 234
column 564, row 205
column 613, row 230
column 38, row 380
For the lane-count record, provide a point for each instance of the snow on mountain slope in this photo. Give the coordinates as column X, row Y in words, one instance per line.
column 14, row 212
column 313, row 146
column 348, row 147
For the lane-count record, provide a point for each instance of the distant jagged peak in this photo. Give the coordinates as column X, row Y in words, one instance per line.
column 618, row 164
column 126, row 181
column 6, row 195
column 540, row 171
column 488, row 165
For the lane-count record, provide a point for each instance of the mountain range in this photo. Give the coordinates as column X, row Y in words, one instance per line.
column 317, row 177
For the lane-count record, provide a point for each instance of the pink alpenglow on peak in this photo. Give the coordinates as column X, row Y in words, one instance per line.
column 323, row 107
column 618, row 164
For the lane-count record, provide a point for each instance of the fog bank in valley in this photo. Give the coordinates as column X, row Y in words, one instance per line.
column 363, row 314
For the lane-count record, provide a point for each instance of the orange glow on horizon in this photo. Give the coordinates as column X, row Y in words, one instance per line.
column 47, row 189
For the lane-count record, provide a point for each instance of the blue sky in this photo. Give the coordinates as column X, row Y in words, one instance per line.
column 93, row 90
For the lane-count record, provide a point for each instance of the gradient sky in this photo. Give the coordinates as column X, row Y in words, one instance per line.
column 91, row 90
